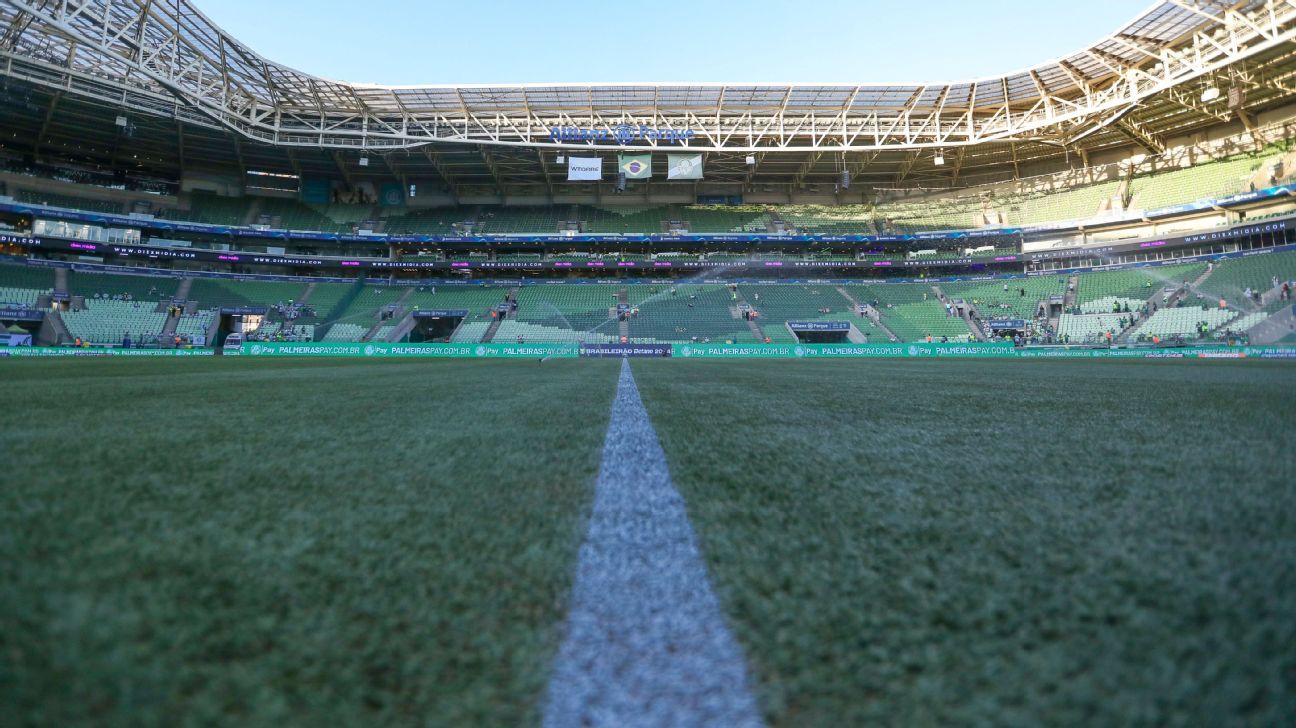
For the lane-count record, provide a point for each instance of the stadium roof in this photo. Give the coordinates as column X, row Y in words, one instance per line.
column 1140, row 84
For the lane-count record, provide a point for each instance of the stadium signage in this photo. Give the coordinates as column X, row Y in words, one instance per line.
column 438, row 313
column 625, row 350
column 21, row 314
column 1007, row 324
column 819, row 325
column 622, row 134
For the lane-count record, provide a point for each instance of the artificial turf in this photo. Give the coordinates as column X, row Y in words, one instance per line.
column 290, row 542
column 996, row 543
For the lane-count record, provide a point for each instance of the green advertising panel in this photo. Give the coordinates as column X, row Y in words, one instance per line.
column 469, row 351
column 810, row 351
column 45, row 351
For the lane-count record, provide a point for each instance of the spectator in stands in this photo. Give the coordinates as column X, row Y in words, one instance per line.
column 126, row 341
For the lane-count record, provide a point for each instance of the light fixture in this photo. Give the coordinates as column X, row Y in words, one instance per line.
column 939, row 159
column 751, row 160
column 364, row 161
column 1210, row 94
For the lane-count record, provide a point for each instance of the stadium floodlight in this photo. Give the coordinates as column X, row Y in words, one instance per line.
column 751, row 160
column 1210, row 94
column 121, row 121
column 364, row 161
column 939, row 159
column 560, row 159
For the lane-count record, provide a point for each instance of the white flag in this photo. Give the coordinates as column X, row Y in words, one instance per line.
column 683, row 166
column 584, row 169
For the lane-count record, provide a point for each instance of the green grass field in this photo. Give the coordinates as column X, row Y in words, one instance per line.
column 297, row 542
column 290, row 542
column 957, row 543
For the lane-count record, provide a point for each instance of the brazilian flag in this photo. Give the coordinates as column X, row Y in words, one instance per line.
column 635, row 166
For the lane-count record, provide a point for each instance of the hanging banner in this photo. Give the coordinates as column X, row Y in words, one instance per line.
column 684, row 166
column 584, row 169
column 635, row 166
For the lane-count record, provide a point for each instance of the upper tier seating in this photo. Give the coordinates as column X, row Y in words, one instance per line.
column 828, row 219
column 519, row 220
column 71, row 202
column 212, row 209
column 1200, row 181
column 285, row 214
column 427, row 221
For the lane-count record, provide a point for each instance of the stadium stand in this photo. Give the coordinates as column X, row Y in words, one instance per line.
column 285, row 214
column 1088, row 328
column 1183, row 322
column 345, row 332
column 470, row 332
column 1098, row 291
column 108, row 321
column 1232, row 277
column 626, row 219
column 908, row 315
column 211, row 209
column 1200, row 181
column 726, row 219
column 432, row 221
column 108, row 285
column 828, row 219
column 71, row 202
column 578, row 308
column 1062, row 204
column 780, row 304
column 196, row 324
column 1017, row 299
column 24, row 285
column 699, row 312
column 220, row 292
column 519, row 220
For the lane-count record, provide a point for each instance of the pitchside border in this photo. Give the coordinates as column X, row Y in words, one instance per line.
column 678, row 351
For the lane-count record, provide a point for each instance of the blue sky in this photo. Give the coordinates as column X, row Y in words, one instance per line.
column 507, row 41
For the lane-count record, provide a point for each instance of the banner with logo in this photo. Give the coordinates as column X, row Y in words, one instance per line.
column 382, row 349
column 584, row 169
column 684, row 166
column 52, row 351
column 810, row 351
column 635, row 166
column 619, row 351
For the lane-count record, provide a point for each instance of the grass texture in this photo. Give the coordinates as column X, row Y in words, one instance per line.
column 991, row 543
column 290, row 542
